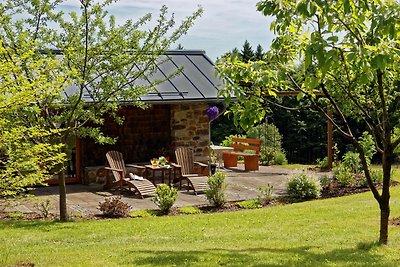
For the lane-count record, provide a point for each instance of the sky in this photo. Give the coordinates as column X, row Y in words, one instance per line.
column 224, row 25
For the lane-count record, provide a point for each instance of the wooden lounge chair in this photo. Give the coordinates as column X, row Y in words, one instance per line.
column 190, row 170
column 117, row 167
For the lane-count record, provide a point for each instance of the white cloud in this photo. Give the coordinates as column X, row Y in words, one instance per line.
column 224, row 25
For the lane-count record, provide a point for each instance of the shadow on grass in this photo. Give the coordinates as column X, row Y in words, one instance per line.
column 299, row 256
column 42, row 225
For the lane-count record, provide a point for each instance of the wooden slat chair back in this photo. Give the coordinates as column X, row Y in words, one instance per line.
column 241, row 147
column 116, row 161
column 191, row 170
column 185, row 158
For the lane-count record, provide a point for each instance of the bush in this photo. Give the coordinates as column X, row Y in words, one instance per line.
column 322, row 163
column 303, row 186
column 216, row 193
column 352, row 162
column 189, row 210
column 265, row 194
column 324, row 181
column 44, row 207
column 165, row 197
column 249, row 204
column 280, row 158
column 114, row 207
column 343, row 175
column 142, row 213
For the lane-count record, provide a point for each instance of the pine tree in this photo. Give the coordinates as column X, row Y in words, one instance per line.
column 259, row 55
column 247, row 53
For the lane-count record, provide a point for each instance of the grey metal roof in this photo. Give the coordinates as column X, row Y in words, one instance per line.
column 195, row 81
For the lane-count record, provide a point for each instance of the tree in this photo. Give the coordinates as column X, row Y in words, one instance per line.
column 101, row 59
column 247, row 53
column 343, row 54
column 259, row 54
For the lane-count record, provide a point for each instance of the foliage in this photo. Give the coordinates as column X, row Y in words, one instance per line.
column 102, row 59
column 303, row 186
column 265, row 194
column 280, row 158
column 324, row 181
column 351, row 161
column 368, row 144
column 189, row 210
column 343, row 175
column 249, row 204
column 341, row 53
column 114, row 207
column 44, row 207
column 142, row 213
column 15, row 215
column 216, row 194
column 322, row 163
column 247, row 54
column 165, row 197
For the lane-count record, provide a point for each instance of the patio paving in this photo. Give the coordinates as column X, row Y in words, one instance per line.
column 86, row 198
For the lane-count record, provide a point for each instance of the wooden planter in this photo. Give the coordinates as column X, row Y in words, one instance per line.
column 229, row 160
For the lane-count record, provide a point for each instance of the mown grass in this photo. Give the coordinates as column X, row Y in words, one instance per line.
column 330, row 232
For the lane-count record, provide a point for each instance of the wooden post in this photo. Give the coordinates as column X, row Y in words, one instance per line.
column 330, row 138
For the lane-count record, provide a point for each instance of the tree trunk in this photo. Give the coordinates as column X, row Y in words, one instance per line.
column 384, row 201
column 63, row 197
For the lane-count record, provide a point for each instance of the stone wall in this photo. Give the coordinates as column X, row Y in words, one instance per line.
column 190, row 127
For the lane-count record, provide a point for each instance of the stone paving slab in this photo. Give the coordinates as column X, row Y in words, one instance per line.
column 86, row 198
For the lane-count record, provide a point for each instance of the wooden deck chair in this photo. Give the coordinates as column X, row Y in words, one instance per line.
column 117, row 167
column 190, row 170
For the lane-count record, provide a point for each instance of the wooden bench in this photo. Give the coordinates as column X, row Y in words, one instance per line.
column 240, row 147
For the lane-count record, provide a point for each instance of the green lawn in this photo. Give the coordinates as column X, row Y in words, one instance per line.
column 331, row 232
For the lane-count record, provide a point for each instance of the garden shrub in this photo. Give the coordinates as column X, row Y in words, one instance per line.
column 15, row 215
column 165, row 197
column 216, row 193
column 303, row 186
column 351, row 161
column 114, row 207
column 189, row 210
column 249, row 204
column 265, row 196
column 142, row 213
column 343, row 175
column 280, row 158
column 43, row 206
column 324, row 181
column 322, row 163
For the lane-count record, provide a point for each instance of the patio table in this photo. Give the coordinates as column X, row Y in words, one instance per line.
column 163, row 170
column 218, row 151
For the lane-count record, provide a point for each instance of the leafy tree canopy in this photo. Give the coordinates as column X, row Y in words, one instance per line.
column 344, row 53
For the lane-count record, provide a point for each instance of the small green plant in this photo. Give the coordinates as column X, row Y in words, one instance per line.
column 15, row 215
column 143, row 213
column 343, row 175
column 324, row 181
column 165, row 197
column 44, row 206
column 322, row 163
column 303, row 186
column 280, row 158
column 352, row 162
column 377, row 176
column 114, row 207
column 249, row 204
column 266, row 192
column 216, row 193
column 189, row 210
